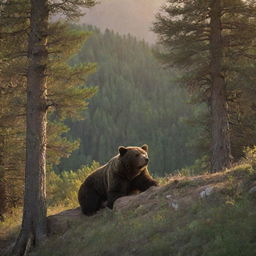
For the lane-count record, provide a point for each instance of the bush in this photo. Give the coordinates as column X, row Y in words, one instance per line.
column 62, row 189
column 199, row 167
column 250, row 155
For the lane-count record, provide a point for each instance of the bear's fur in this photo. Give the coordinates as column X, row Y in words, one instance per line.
column 122, row 175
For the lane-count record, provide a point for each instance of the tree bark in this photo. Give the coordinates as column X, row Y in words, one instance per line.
column 2, row 180
column 34, row 229
column 221, row 149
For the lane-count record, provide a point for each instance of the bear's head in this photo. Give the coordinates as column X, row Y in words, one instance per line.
column 133, row 159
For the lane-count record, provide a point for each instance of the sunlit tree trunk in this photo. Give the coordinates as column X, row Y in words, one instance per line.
column 2, row 181
column 33, row 229
column 221, row 149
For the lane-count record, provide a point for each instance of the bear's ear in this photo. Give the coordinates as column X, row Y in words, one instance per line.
column 122, row 150
column 145, row 147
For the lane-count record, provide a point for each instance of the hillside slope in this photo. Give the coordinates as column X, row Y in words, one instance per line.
column 213, row 214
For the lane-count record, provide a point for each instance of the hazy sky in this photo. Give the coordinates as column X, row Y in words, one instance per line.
column 125, row 16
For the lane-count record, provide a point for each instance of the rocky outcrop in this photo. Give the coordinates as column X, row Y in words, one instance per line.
column 146, row 198
column 61, row 222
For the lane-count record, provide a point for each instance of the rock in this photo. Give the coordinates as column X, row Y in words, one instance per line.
column 124, row 201
column 168, row 196
column 252, row 190
column 174, row 205
column 134, row 201
column 202, row 194
column 61, row 222
column 207, row 192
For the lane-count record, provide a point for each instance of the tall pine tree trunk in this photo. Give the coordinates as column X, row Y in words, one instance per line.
column 221, row 149
column 34, row 214
column 2, row 180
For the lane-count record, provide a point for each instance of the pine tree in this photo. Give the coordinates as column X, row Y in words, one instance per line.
column 34, row 226
column 193, row 32
column 38, row 101
column 221, row 147
column 66, row 94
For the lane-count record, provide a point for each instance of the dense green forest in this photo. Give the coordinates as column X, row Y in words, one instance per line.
column 137, row 102
column 71, row 94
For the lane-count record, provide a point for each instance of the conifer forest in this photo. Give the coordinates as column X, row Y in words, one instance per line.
column 74, row 89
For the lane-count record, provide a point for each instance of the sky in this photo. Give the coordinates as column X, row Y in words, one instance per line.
column 125, row 16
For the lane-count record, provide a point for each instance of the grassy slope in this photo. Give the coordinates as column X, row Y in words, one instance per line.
column 222, row 224
column 9, row 229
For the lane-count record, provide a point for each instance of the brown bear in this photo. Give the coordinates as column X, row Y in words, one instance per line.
column 123, row 174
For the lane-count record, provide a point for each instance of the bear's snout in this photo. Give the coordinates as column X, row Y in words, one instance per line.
column 147, row 160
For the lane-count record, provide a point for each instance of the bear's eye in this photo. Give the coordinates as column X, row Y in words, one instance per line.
column 137, row 155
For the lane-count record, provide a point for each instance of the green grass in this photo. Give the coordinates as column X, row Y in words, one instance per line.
column 10, row 227
column 222, row 225
column 220, row 230
column 205, row 228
